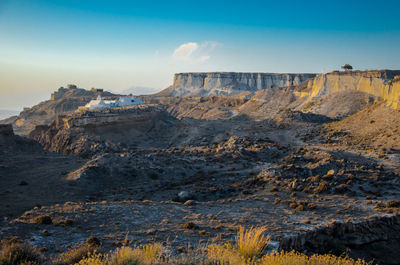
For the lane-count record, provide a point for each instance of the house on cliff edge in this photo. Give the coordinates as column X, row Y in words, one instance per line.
column 99, row 103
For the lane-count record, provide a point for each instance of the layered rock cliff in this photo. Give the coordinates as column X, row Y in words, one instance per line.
column 381, row 84
column 208, row 84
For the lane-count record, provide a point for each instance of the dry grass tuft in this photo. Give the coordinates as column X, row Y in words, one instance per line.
column 126, row 255
column 75, row 255
column 251, row 243
column 96, row 259
column 294, row 258
column 14, row 252
column 144, row 255
column 247, row 250
column 392, row 204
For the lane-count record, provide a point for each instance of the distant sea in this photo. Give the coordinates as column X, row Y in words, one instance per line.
column 4, row 114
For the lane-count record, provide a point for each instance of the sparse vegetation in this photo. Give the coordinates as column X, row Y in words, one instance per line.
column 392, row 204
column 14, row 252
column 190, row 225
column 249, row 245
column 75, row 255
column 323, row 186
column 93, row 242
column 294, row 258
column 248, row 249
column 144, row 255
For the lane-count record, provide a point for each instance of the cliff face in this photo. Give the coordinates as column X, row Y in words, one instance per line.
column 382, row 84
column 208, row 84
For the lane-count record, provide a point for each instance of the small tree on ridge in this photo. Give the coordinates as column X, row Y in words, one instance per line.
column 347, row 67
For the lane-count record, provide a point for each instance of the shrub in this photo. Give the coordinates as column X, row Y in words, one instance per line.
column 273, row 189
column 75, row 255
column 289, row 258
column 190, row 225
column 392, row 204
column 43, row 219
column 249, row 245
column 151, row 252
column 23, row 183
column 95, row 259
column 323, row 186
column 126, row 256
column 15, row 253
column 93, row 241
column 223, row 254
column 145, row 255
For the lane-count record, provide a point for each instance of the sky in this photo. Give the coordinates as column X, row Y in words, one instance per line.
column 117, row 45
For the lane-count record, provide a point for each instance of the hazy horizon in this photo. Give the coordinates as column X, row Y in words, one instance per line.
column 119, row 45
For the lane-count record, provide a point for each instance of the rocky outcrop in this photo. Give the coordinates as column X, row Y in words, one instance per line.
column 382, row 84
column 375, row 238
column 207, row 84
column 89, row 132
column 63, row 101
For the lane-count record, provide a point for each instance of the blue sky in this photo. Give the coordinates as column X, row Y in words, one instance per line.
column 119, row 44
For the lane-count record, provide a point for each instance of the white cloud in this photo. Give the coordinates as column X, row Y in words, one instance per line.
column 185, row 50
column 194, row 53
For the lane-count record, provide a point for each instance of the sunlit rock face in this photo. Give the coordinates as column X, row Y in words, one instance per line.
column 207, row 84
column 383, row 84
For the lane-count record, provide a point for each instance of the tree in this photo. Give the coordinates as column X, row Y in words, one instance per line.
column 347, row 67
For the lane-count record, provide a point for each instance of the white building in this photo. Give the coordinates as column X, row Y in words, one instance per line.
column 99, row 103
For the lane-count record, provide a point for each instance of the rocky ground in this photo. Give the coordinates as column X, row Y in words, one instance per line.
column 195, row 193
column 187, row 172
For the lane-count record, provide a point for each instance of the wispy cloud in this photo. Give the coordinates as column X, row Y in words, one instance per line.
column 185, row 50
column 194, row 53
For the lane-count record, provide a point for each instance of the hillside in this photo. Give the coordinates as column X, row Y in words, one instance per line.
column 319, row 161
column 381, row 84
column 335, row 95
column 31, row 176
column 64, row 100
column 376, row 127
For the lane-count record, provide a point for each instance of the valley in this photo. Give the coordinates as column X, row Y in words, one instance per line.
column 314, row 158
